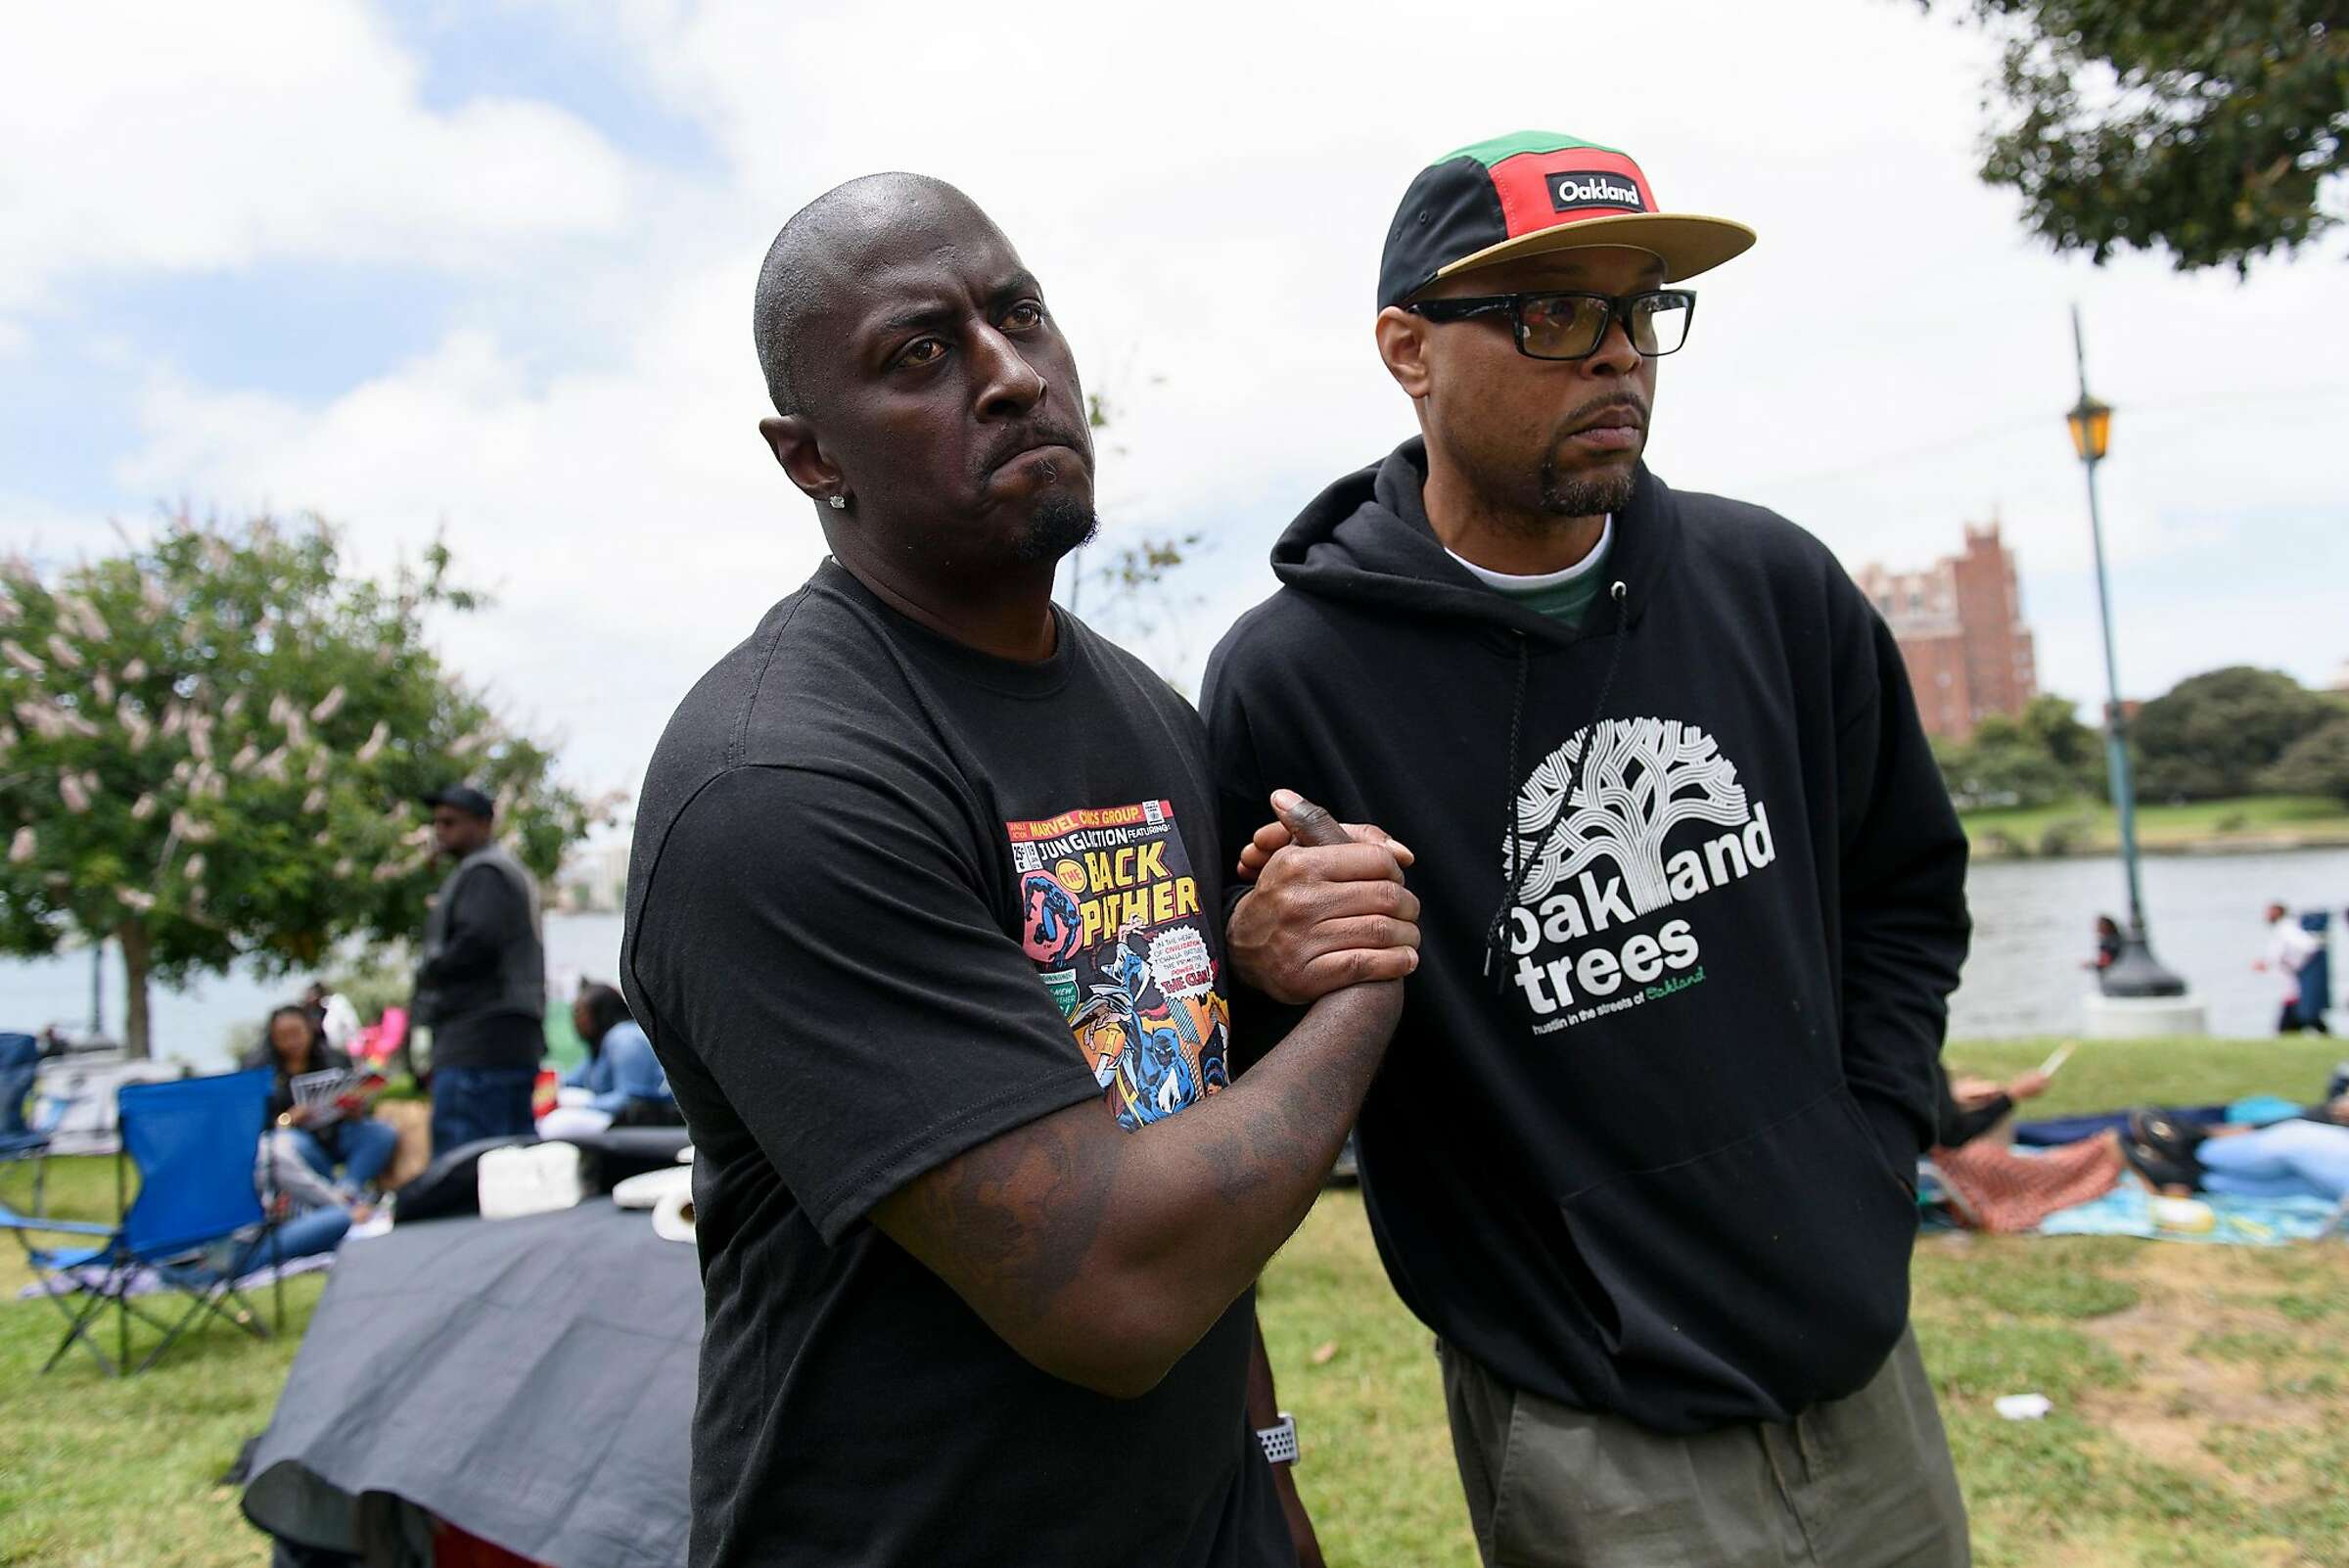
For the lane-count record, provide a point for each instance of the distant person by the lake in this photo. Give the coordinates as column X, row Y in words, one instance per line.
column 2108, row 947
column 480, row 986
column 2290, row 950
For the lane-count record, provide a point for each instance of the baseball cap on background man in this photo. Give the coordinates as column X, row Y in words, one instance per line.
column 1533, row 192
column 466, row 799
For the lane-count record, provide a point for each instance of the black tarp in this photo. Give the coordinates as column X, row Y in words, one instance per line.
column 531, row 1381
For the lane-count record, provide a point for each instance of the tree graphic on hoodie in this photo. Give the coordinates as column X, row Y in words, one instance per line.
column 1645, row 777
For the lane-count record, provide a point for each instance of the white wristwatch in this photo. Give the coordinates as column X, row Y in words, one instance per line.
column 1279, row 1440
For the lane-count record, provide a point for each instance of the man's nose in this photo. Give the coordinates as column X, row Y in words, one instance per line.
column 1615, row 356
column 1009, row 386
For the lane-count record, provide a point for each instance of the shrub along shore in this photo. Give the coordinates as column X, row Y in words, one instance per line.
column 2085, row 827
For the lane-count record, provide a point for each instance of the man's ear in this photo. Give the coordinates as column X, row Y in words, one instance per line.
column 793, row 442
column 1403, row 345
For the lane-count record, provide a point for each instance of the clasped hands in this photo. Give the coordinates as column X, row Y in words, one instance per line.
column 1323, row 912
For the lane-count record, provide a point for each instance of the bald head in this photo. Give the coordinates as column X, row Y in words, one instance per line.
column 821, row 244
column 926, row 400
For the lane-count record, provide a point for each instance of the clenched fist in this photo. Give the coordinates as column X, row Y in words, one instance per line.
column 1330, row 909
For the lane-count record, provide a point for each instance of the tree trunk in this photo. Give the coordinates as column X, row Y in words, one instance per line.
column 132, row 934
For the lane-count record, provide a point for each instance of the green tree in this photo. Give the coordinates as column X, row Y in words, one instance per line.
column 2211, row 131
column 2215, row 734
column 2003, row 765
column 214, row 747
column 2043, row 756
column 2316, row 763
column 2052, row 724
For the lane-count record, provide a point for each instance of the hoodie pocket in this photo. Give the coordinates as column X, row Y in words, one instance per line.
column 1759, row 1277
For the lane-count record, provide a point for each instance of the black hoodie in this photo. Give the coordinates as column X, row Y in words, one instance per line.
column 1649, row 1148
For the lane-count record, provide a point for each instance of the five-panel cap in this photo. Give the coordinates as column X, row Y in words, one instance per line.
column 1533, row 192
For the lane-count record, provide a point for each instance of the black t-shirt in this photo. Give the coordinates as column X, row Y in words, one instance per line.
column 889, row 898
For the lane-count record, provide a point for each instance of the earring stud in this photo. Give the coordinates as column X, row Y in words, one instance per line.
column 837, row 503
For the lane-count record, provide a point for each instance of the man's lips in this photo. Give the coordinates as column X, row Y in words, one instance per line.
column 1045, row 451
column 1611, row 430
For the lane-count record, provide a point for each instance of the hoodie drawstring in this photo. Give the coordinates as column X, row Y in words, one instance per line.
column 1493, row 933
column 1513, row 875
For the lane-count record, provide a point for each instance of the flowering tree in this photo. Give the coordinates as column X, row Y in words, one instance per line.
column 213, row 745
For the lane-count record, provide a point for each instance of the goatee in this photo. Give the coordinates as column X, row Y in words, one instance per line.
column 1585, row 494
column 1058, row 525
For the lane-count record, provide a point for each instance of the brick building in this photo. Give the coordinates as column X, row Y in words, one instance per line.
column 1960, row 625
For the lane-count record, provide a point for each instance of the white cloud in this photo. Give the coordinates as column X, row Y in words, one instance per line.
column 136, row 138
column 628, row 520
column 1204, row 194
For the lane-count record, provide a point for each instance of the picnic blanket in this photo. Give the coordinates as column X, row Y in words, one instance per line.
column 2127, row 1211
column 531, row 1381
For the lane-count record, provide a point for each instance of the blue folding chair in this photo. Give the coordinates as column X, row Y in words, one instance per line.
column 24, row 1140
column 195, row 1143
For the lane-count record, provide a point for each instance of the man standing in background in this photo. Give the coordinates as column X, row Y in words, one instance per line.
column 2291, row 947
column 480, row 986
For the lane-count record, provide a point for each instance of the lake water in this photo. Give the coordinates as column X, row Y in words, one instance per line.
column 2031, row 928
column 2034, row 923
column 220, row 1017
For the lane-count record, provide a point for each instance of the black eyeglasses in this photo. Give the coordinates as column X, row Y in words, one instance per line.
column 1572, row 326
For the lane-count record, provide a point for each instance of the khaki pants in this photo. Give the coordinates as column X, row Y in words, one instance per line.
column 1864, row 1482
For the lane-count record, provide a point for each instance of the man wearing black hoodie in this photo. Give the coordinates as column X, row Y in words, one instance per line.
column 1641, row 1151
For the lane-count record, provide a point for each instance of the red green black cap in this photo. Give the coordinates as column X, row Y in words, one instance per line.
column 1534, row 192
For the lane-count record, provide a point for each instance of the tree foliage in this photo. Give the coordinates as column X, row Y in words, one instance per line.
column 2044, row 757
column 214, row 748
column 2211, row 131
column 2316, row 763
column 2217, row 734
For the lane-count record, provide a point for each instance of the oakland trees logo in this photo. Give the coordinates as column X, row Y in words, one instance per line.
column 1612, row 855
column 1645, row 777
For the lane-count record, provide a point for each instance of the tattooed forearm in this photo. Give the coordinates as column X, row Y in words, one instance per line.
column 1067, row 1224
column 1014, row 1219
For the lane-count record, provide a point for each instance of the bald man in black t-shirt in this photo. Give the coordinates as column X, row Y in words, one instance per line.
column 925, row 923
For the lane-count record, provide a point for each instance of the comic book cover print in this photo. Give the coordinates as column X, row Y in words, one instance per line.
column 1109, row 912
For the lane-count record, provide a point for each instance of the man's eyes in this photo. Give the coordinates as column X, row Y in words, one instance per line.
column 1024, row 316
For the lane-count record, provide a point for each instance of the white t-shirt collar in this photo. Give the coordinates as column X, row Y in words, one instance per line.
column 1509, row 582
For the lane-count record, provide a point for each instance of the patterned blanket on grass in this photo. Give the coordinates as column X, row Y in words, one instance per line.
column 2127, row 1211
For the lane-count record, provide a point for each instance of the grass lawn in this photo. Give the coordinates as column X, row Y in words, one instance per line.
column 2202, row 1400
column 95, row 1470
column 2084, row 827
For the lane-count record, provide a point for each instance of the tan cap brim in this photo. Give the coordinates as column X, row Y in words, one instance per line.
column 1686, row 243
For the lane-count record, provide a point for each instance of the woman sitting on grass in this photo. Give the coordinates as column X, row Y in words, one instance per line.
column 620, row 1083
column 312, row 1214
column 1994, row 1187
column 322, row 1136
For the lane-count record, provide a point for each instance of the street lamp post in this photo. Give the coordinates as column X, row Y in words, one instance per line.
column 2134, row 972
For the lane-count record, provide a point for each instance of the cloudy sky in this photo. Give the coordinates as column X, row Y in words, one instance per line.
column 486, row 268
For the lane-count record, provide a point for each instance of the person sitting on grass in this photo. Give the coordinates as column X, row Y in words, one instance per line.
column 621, row 1083
column 313, row 1213
column 2306, row 1156
column 324, row 1137
column 1999, row 1190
